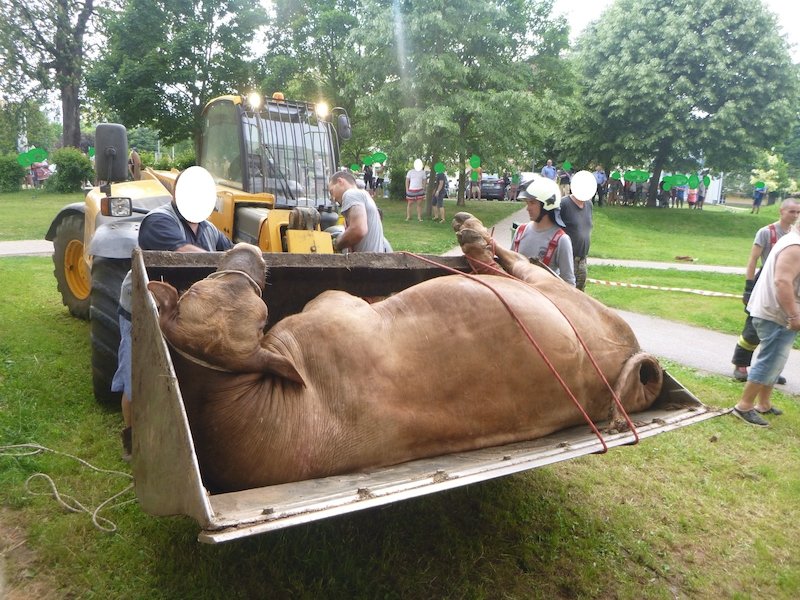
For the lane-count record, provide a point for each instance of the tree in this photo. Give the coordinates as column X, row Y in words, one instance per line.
column 667, row 83
column 312, row 57
column 25, row 122
column 165, row 60
column 447, row 79
column 44, row 42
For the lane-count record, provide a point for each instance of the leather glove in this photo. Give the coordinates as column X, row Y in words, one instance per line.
column 748, row 290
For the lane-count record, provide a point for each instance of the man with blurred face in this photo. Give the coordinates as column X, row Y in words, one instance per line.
column 775, row 309
column 765, row 239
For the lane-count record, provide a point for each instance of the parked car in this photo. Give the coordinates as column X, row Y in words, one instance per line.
column 493, row 188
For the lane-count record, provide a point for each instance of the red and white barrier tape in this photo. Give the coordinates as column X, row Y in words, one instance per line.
column 664, row 289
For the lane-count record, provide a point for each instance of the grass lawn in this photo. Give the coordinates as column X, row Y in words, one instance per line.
column 709, row 511
column 27, row 215
column 714, row 236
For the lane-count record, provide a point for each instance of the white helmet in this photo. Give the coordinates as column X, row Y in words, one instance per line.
column 542, row 189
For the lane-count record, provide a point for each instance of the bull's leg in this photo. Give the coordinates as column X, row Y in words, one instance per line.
column 477, row 244
column 465, row 220
column 479, row 250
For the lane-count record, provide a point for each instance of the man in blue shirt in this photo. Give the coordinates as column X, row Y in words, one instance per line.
column 549, row 170
column 178, row 226
column 601, row 179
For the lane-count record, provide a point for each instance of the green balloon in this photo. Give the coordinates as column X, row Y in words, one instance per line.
column 567, row 165
column 706, row 181
column 354, row 167
column 474, row 161
column 615, row 175
column 24, row 160
column 378, row 157
column 439, row 167
column 368, row 160
column 37, row 154
column 637, row 176
column 680, row 179
column 694, row 182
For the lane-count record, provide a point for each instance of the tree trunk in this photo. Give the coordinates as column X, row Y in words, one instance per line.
column 658, row 166
column 431, row 187
column 71, row 114
column 462, row 177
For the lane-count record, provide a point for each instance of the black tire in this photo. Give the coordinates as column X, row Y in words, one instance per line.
column 71, row 270
column 107, row 276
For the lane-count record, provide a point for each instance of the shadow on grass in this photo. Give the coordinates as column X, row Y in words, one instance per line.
column 521, row 536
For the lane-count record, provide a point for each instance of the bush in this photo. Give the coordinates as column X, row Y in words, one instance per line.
column 185, row 160
column 397, row 184
column 73, row 169
column 165, row 163
column 11, row 173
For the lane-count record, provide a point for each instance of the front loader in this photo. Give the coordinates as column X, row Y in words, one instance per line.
column 271, row 162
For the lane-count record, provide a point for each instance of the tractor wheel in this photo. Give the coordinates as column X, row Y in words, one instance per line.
column 107, row 276
column 71, row 270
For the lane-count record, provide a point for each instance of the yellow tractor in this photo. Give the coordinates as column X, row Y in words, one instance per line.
column 271, row 162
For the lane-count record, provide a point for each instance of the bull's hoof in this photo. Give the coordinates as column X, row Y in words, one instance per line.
column 464, row 220
column 470, row 236
column 459, row 219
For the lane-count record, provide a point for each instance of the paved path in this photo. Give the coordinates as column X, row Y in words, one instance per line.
column 26, row 248
column 695, row 347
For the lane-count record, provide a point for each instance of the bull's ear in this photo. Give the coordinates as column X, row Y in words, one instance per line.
column 279, row 365
column 166, row 296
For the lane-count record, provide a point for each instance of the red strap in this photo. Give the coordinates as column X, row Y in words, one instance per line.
column 551, row 247
column 773, row 234
column 518, row 237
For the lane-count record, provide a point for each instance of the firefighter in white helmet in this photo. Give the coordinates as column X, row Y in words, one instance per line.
column 543, row 238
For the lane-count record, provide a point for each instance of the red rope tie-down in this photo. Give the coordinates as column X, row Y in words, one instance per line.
column 492, row 268
column 614, row 395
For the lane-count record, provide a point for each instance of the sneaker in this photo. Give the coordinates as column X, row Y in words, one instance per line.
column 772, row 411
column 781, row 380
column 750, row 416
column 740, row 373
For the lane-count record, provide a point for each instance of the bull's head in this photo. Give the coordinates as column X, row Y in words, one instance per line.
column 220, row 320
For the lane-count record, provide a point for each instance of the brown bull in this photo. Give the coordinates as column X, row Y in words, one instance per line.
column 438, row 368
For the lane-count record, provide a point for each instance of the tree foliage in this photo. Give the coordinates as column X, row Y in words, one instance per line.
column 165, row 60
column 24, row 121
column 312, row 57
column 44, row 42
column 668, row 83
column 452, row 79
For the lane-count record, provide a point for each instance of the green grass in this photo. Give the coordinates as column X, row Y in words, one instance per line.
column 27, row 215
column 710, row 511
column 718, row 313
column 652, row 521
column 435, row 238
column 714, row 236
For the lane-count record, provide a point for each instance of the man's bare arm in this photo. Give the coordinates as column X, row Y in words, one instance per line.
column 356, row 229
column 787, row 270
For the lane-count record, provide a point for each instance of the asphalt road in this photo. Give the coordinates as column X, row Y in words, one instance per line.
column 695, row 347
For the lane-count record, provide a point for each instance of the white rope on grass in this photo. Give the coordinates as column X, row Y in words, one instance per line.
column 664, row 289
column 68, row 502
